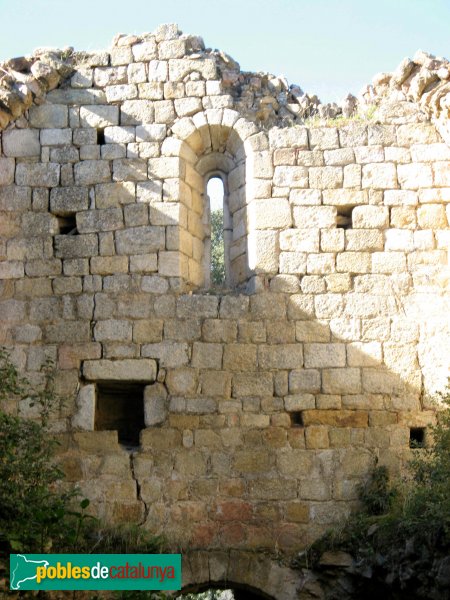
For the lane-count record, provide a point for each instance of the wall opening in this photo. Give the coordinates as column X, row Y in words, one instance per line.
column 100, row 136
column 120, row 407
column 218, row 234
column 417, row 437
column 344, row 217
column 296, row 418
column 67, row 225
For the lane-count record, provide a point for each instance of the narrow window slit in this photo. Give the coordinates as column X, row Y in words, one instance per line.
column 344, row 217
column 120, row 407
column 100, row 137
column 219, row 230
column 417, row 437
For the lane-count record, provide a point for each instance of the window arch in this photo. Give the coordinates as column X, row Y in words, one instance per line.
column 209, row 145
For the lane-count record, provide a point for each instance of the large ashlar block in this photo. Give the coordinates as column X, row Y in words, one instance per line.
column 415, row 176
column 99, row 116
column 324, row 355
column 155, row 405
column 138, row 369
column 325, row 178
column 21, row 143
column 270, row 214
column 295, row 177
column 299, row 240
column 90, row 172
column 379, row 176
column 341, row 381
column 292, row 137
column 49, row 115
column 38, row 174
column 315, row 216
column 370, row 217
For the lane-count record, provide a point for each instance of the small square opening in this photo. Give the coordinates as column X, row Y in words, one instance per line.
column 68, row 225
column 296, row 418
column 344, row 217
column 120, row 407
column 417, row 437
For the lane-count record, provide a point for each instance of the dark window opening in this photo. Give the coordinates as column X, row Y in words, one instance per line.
column 120, row 407
column 296, row 419
column 417, row 437
column 344, row 217
column 100, row 137
column 67, row 225
column 215, row 192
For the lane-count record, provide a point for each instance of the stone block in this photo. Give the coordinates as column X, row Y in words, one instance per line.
column 84, row 418
column 137, row 112
column 305, row 197
column 56, row 137
column 130, row 169
column 415, row 176
column 388, row 262
column 316, row 216
column 38, row 174
column 240, row 357
column 340, row 157
column 121, row 92
column 336, row 418
column 252, row 384
column 354, row 134
column 316, row 437
column 353, row 262
column 416, row 133
column 182, row 381
column 325, row 178
column 280, row 356
column 99, row 116
column 289, row 137
column 323, row 138
column 139, row 369
column 49, row 115
column 144, row 51
column 7, row 170
column 77, row 246
column 320, row 264
column 90, row 172
column 140, row 240
column 432, row 216
column 21, row 143
column 379, row 176
column 292, row 177
column 207, row 356
column 65, row 201
column 299, row 240
column 299, row 402
column 363, row 239
column 341, row 381
column 370, row 217
column 170, row 354
column 319, row 355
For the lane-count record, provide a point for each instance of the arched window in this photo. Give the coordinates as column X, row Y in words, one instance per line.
column 218, row 228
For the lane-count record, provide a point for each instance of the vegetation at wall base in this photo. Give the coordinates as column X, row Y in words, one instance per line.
column 399, row 542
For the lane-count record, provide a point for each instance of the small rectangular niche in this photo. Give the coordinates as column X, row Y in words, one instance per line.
column 67, row 225
column 120, row 407
column 296, row 418
column 417, row 437
column 100, row 137
column 344, row 217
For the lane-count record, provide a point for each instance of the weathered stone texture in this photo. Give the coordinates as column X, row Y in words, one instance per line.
column 266, row 401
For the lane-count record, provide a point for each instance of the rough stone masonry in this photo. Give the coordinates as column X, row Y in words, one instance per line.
column 239, row 418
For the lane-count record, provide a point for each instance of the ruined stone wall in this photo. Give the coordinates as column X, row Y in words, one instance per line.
column 265, row 404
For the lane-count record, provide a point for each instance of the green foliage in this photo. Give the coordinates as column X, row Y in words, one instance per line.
column 377, row 495
column 217, row 249
column 402, row 533
column 34, row 517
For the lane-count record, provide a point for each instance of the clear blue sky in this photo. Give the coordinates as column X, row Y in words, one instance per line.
column 328, row 47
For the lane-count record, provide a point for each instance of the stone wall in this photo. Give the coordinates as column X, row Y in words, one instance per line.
column 265, row 404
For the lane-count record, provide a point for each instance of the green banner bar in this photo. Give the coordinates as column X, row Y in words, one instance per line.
column 95, row 571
